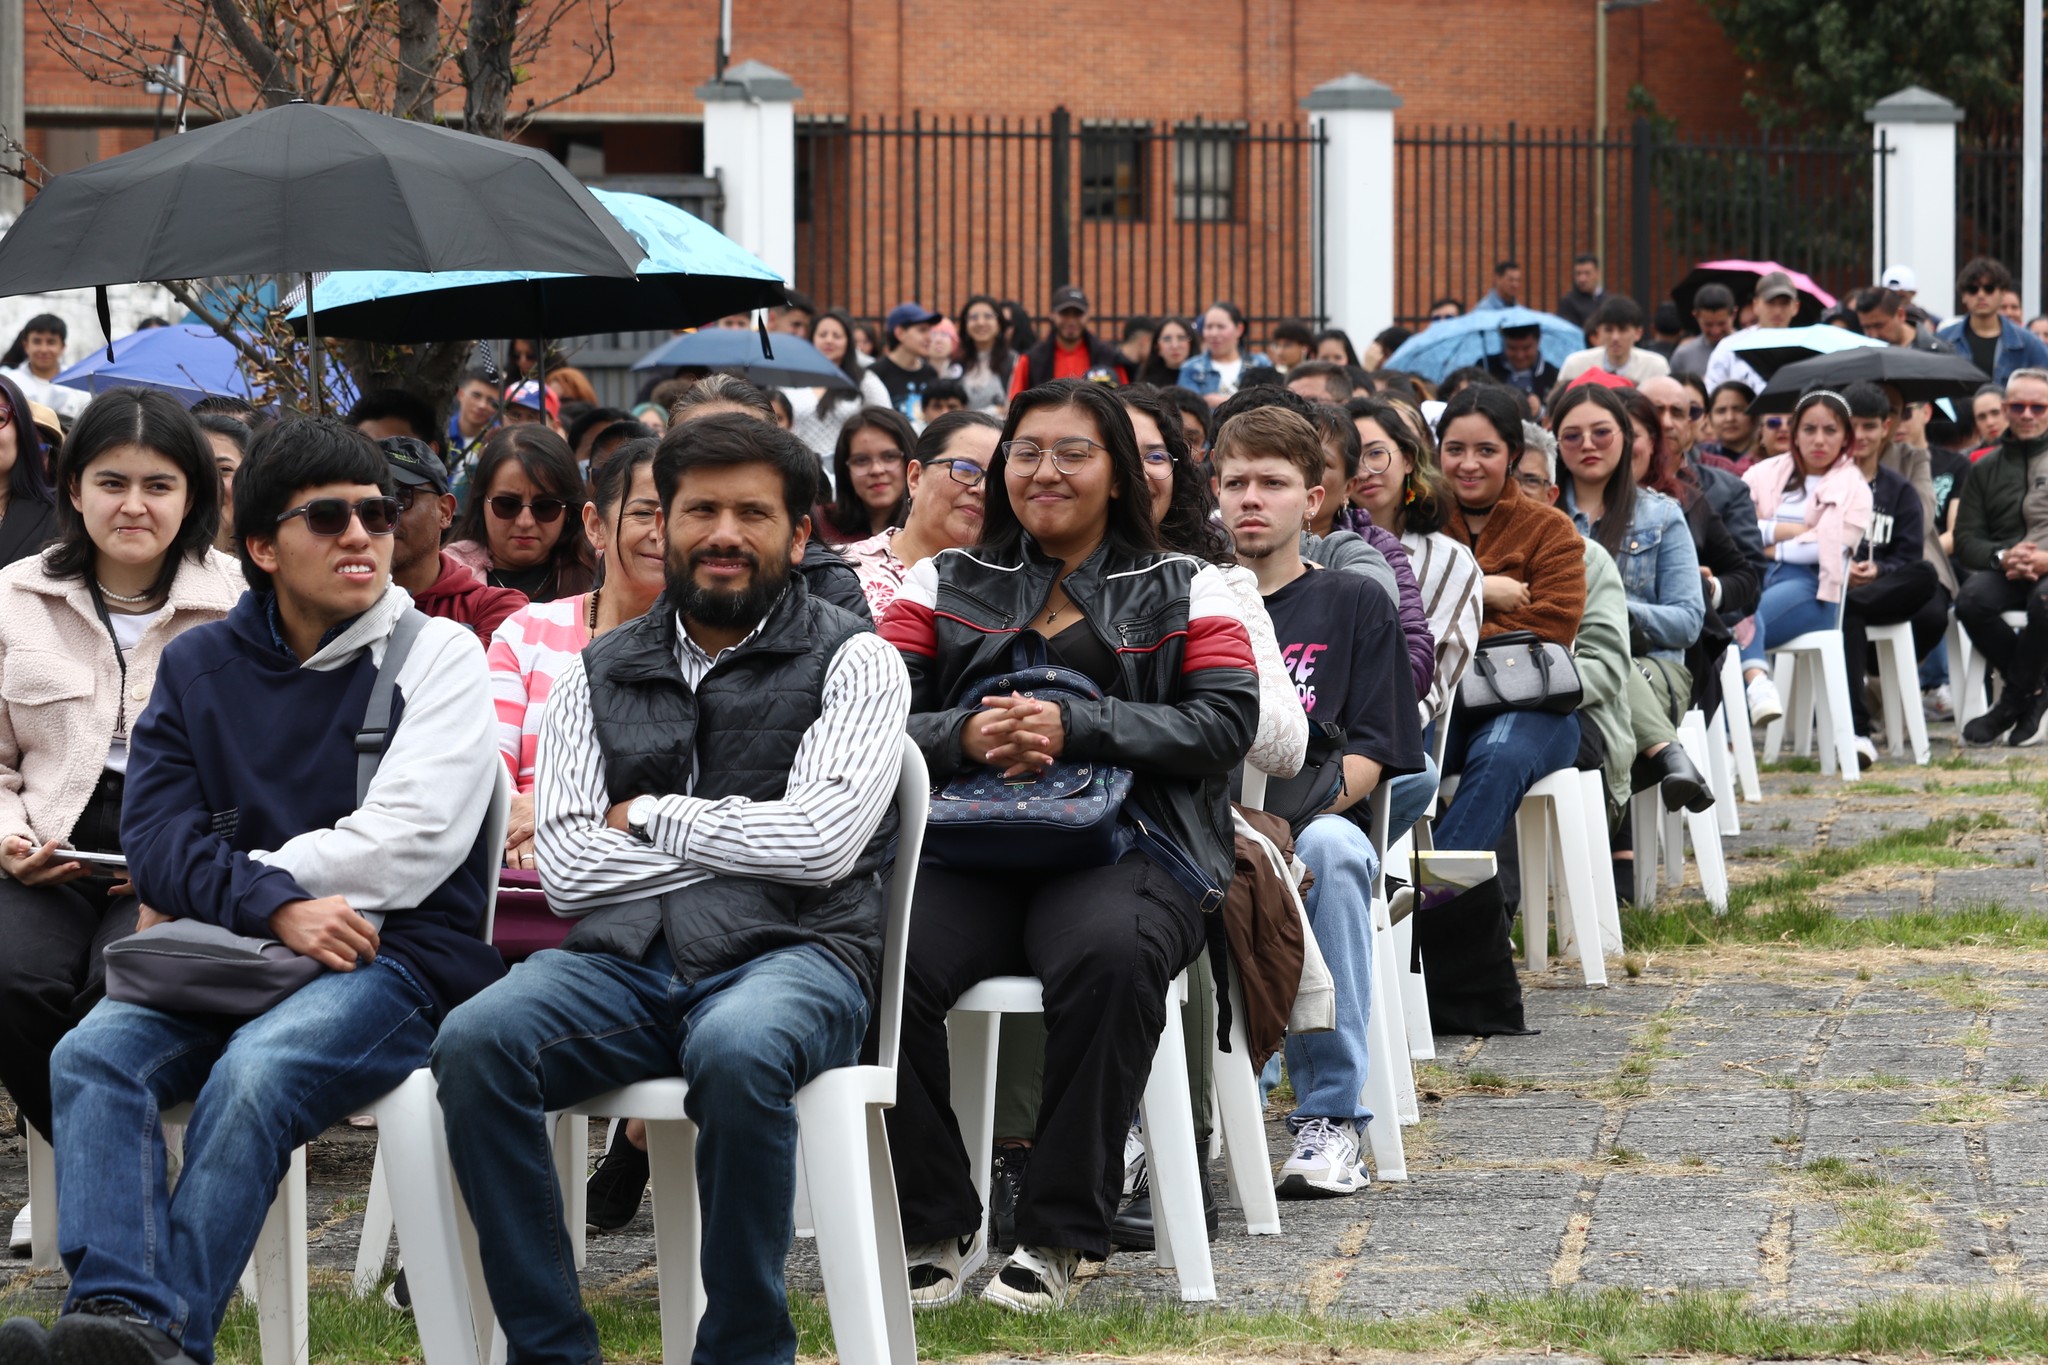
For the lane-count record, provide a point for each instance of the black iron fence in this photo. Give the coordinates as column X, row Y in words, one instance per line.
column 1648, row 204
column 1149, row 218
column 1988, row 201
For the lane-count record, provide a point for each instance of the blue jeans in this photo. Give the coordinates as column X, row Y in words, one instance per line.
column 1934, row 668
column 1409, row 795
column 1499, row 759
column 1791, row 606
column 260, row 1088
column 1329, row 1069
column 566, row 1026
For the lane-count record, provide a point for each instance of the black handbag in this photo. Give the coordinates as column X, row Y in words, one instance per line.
column 1516, row 671
column 1301, row 798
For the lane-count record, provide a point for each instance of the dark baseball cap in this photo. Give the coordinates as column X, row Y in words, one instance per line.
column 910, row 315
column 1069, row 296
column 414, row 462
column 1776, row 285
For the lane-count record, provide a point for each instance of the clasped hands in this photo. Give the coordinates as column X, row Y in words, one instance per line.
column 1018, row 734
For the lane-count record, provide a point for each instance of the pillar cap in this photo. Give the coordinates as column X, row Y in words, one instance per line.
column 1914, row 104
column 750, row 80
column 1351, row 91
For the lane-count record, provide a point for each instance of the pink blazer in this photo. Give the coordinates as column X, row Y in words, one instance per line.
column 1839, row 511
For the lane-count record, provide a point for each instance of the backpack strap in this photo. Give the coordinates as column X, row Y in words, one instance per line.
column 375, row 734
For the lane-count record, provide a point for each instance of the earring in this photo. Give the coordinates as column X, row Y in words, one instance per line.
column 1408, row 484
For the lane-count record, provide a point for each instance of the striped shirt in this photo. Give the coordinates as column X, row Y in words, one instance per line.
column 1451, row 584
column 840, row 786
column 527, row 653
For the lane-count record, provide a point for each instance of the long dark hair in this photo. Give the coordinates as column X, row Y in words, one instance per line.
column 1001, row 358
column 1155, row 370
column 1017, row 325
column 1667, row 474
column 1130, row 516
column 1187, row 526
column 547, row 460
column 610, row 480
column 1503, row 413
column 17, row 354
column 1618, row 498
column 849, row 364
column 29, row 481
column 847, row 511
column 155, row 421
column 1428, row 495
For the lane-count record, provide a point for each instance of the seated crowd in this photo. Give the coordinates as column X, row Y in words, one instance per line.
column 690, row 642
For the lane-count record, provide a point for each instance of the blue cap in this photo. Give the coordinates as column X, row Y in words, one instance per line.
column 909, row 315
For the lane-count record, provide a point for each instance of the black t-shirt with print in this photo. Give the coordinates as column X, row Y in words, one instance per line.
column 905, row 387
column 1343, row 646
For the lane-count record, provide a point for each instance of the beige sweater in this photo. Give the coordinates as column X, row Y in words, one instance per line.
column 60, row 684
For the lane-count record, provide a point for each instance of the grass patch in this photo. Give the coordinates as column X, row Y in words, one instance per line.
column 1877, row 1217
column 1966, row 1110
column 1791, row 763
column 1877, row 1080
column 1959, row 990
column 1866, row 787
column 1612, row 1325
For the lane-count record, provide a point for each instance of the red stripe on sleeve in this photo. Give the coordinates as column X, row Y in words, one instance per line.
column 908, row 625
column 1217, row 642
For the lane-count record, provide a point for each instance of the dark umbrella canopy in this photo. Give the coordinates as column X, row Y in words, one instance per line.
column 310, row 187
column 795, row 364
column 1920, row 376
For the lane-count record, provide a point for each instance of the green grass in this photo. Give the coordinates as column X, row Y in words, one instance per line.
column 1867, row 787
column 1791, row 763
column 1612, row 1325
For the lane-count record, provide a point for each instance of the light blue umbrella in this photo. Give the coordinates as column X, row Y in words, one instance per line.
column 1468, row 339
column 692, row 274
column 1770, row 349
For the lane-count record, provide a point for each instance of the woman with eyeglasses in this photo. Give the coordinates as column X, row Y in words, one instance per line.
column 28, row 508
column 1069, row 560
column 82, row 627
column 1812, row 508
column 870, row 487
column 945, row 481
column 524, row 529
column 1732, row 430
column 1645, row 533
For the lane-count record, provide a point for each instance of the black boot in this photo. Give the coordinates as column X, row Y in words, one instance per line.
column 1678, row 782
column 1131, row 1229
column 1005, row 1189
column 616, row 1187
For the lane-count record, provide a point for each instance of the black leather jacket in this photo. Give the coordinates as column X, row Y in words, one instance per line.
column 1188, row 691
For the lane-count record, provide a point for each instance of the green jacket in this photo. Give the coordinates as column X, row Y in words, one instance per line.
column 1991, row 515
column 1601, row 652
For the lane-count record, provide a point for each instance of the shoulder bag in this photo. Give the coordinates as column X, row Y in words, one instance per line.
column 1516, row 671
column 190, row 967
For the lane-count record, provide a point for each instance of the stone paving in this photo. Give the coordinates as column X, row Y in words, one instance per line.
column 1811, row 1127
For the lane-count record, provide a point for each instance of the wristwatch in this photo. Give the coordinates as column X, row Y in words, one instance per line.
column 637, row 816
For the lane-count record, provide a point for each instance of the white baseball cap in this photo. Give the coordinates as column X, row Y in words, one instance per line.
column 1901, row 277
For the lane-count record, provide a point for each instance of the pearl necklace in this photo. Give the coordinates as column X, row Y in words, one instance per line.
column 145, row 595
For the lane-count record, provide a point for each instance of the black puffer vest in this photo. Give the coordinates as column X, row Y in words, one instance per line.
column 742, row 725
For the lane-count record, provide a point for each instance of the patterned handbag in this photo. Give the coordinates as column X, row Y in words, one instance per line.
column 1069, row 816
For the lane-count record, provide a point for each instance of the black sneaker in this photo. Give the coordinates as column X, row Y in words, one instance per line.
column 110, row 1332
column 1131, row 1229
column 24, row 1341
column 1994, row 725
column 616, row 1187
column 398, row 1294
column 1005, row 1189
column 2033, row 723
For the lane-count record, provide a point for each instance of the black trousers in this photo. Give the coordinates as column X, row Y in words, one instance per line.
column 51, row 973
column 2020, row 656
column 1106, row 942
column 1913, row 593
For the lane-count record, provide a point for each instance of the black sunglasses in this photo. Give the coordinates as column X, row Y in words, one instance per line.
column 508, row 506
column 331, row 516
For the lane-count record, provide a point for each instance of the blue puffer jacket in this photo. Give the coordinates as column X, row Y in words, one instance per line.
column 1661, row 571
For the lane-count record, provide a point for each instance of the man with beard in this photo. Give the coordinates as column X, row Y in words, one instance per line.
column 1071, row 352
column 712, row 804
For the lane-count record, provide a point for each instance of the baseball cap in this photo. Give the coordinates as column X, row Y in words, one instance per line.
column 413, row 461
column 1069, row 296
column 530, row 394
column 1901, row 277
column 1776, row 285
column 909, row 315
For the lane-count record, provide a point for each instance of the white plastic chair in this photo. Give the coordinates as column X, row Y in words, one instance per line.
column 42, row 1200
column 1972, row 668
column 1812, row 675
column 1650, row 825
column 1734, row 718
column 1552, row 823
column 1594, row 785
column 1898, row 679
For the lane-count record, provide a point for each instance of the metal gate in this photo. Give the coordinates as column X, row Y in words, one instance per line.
column 1150, row 218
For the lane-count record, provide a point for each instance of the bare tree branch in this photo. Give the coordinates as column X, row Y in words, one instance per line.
column 276, row 84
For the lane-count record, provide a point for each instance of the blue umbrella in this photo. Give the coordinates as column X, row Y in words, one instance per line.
column 1457, row 342
column 796, row 363
column 1769, row 349
column 692, row 273
column 189, row 362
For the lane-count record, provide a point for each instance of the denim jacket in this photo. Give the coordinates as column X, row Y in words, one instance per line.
column 1201, row 375
column 2018, row 349
column 1660, row 569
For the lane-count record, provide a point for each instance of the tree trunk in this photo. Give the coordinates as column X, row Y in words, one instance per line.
column 419, row 59
column 487, row 65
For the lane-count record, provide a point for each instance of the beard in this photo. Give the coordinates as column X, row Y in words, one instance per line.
column 720, row 608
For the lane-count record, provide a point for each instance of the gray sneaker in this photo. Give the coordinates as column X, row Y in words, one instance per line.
column 1037, row 1280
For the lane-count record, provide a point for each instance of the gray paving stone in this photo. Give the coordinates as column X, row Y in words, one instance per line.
column 1660, row 1231
column 2008, row 886
column 1523, row 1130
column 1726, row 1132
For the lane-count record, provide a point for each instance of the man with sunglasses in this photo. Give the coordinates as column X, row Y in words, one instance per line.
column 242, row 811
column 1996, row 345
column 440, row 584
column 2001, row 525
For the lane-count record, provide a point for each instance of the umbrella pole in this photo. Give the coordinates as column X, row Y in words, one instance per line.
column 313, row 348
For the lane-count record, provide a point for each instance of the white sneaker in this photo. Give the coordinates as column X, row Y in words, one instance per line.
column 1134, row 1159
column 939, row 1270
column 1765, row 705
column 1938, row 703
column 21, row 1239
column 1866, row 752
column 1036, row 1280
column 1325, row 1163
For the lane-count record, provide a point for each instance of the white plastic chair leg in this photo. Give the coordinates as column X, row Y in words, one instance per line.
column 374, row 1247
column 1836, row 719
column 42, row 1198
column 1414, row 995
column 1533, row 841
column 1386, row 986
column 1741, row 740
column 420, row 1180
column 1965, row 674
column 1384, row 1053
column 1898, row 674
column 1721, row 774
column 1701, row 825
column 860, row 1241
column 971, row 1046
column 1646, row 828
column 571, row 1136
column 1575, row 856
column 280, row 1265
column 1593, row 794
column 678, row 1234
column 1247, row 1164
column 1179, row 1228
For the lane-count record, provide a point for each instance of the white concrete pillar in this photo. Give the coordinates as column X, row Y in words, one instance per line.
column 750, row 145
column 13, row 114
column 1355, row 246
column 1914, row 223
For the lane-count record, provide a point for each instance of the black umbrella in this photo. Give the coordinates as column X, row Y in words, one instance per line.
column 1919, row 376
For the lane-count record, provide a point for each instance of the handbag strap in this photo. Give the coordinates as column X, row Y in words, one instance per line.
column 375, row 733
column 1028, row 651
column 1482, row 663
